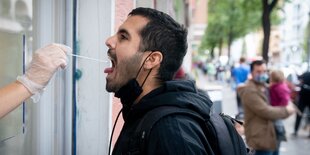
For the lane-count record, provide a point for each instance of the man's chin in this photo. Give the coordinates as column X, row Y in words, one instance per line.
column 109, row 89
column 113, row 86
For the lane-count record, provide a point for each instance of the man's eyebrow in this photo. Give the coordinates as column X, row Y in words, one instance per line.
column 123, row 31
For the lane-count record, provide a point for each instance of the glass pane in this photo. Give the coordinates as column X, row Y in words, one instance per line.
column 91, row 101
column 15, row 39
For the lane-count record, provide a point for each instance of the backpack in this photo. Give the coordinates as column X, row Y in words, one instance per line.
column 222, row 137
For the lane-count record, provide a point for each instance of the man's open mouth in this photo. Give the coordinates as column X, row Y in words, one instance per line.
column 110, row 69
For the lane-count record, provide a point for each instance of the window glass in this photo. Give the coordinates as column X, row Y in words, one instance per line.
column 91, row 102
column 15, row 41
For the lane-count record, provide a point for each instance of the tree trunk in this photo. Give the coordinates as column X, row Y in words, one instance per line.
column 230, row 39
column 244, row 49
column 267, row 9
column 212, row 53
column 220, row 47
column 307, row 45
column 230, row 33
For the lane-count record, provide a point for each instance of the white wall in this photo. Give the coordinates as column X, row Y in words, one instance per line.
column 94, row 26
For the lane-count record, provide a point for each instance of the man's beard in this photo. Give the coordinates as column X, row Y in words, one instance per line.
column 127, row 70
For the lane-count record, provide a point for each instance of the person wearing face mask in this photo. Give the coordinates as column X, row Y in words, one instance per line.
column 44, row 64
column 146, row 52
column 259, row 114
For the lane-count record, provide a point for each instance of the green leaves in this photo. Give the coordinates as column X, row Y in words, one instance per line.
column 229, row 20
column 306, row 42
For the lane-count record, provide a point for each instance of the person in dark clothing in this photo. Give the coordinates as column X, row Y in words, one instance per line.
column 173, row 134
column 304, row 99
column 146, row 52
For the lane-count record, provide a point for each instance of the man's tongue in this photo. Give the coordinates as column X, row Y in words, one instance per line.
column 108, row 70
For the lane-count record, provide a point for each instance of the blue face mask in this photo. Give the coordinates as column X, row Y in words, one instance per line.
column 261, row 78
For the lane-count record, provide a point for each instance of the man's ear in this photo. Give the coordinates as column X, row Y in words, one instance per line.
column 153, row 60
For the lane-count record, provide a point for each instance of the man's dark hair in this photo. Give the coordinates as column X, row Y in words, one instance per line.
column 164, row 34
column 256, row 63
column 242, row 60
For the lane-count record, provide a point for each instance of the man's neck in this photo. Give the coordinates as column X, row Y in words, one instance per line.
column 147, row 88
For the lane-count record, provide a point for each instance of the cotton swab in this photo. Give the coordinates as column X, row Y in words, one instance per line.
column 88, row 58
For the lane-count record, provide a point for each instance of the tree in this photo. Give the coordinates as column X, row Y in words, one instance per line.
column 213, row 36
column 267, row 9
column 306, row 44
column 229, row 20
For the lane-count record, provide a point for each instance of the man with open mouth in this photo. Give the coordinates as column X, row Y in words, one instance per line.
column 146, row 51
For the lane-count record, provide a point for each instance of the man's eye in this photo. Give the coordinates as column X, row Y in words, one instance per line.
column 123, row 37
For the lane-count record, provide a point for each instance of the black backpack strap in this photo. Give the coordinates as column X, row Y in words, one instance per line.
column 222, row 137
column 236, row 139
column 152, row 117
column 225, row 145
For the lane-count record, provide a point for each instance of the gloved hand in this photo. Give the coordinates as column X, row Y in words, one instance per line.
column 44, row 64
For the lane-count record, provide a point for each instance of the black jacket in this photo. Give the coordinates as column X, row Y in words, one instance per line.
column 172, row 135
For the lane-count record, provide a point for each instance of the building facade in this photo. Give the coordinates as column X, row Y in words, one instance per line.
column 295, row 17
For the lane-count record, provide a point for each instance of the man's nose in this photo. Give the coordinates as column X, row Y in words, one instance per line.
column 110, row 42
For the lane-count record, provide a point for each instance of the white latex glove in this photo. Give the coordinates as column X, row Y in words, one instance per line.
column 44, row 64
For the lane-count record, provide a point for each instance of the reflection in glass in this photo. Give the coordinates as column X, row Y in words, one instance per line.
column 16, row 26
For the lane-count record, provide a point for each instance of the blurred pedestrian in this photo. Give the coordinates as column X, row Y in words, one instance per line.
column 211, row 71
column 259, row 114
column 240, row 75
column 304, row 99
column 241, row 72
column 293, row 83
